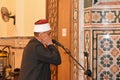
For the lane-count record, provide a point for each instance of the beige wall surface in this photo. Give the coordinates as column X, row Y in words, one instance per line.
column 26, row 13
column 7, row 28
column 34, row 10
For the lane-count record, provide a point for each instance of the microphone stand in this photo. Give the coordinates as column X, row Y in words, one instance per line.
column 86, row 72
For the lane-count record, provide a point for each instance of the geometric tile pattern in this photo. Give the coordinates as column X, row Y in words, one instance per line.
column 108, row 16
column 106, row 54
column 109, row 61
column 105, row 42
column 118, row 61
column 101, row 16
column 118, row 44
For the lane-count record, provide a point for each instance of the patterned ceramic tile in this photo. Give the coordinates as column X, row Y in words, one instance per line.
column 109, row 61
column 106, row 54
column 102, row 17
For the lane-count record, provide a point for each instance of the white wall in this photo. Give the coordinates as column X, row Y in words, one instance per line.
column 29, row 11
column 26, row 12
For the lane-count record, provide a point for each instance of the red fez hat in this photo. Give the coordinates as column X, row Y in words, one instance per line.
column 41, row 26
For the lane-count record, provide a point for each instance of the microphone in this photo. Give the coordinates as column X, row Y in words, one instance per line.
column 57, row 43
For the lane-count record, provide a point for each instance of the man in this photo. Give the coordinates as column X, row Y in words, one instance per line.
column 38, row 54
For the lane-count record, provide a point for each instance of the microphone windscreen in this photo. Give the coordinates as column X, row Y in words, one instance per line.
column 56, row 42
column 53, row 40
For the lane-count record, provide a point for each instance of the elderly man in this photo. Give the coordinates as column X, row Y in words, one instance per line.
column 39, row 53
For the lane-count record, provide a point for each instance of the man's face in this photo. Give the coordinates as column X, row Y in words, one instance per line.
column 45, row 33
column 44, row 36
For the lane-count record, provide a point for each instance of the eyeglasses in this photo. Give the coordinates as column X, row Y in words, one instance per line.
column 48, row 32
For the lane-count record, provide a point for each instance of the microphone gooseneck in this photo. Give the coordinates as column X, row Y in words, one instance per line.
column 87, row 72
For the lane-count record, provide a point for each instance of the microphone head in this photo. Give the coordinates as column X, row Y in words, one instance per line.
column 54, row 41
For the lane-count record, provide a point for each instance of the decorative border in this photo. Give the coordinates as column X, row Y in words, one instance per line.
column 102, row 17
column 52, row 17
column 14, row 42
column 75, row 38
column 94, row 48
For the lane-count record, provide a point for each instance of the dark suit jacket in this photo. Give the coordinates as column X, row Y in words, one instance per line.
column 36, row 61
